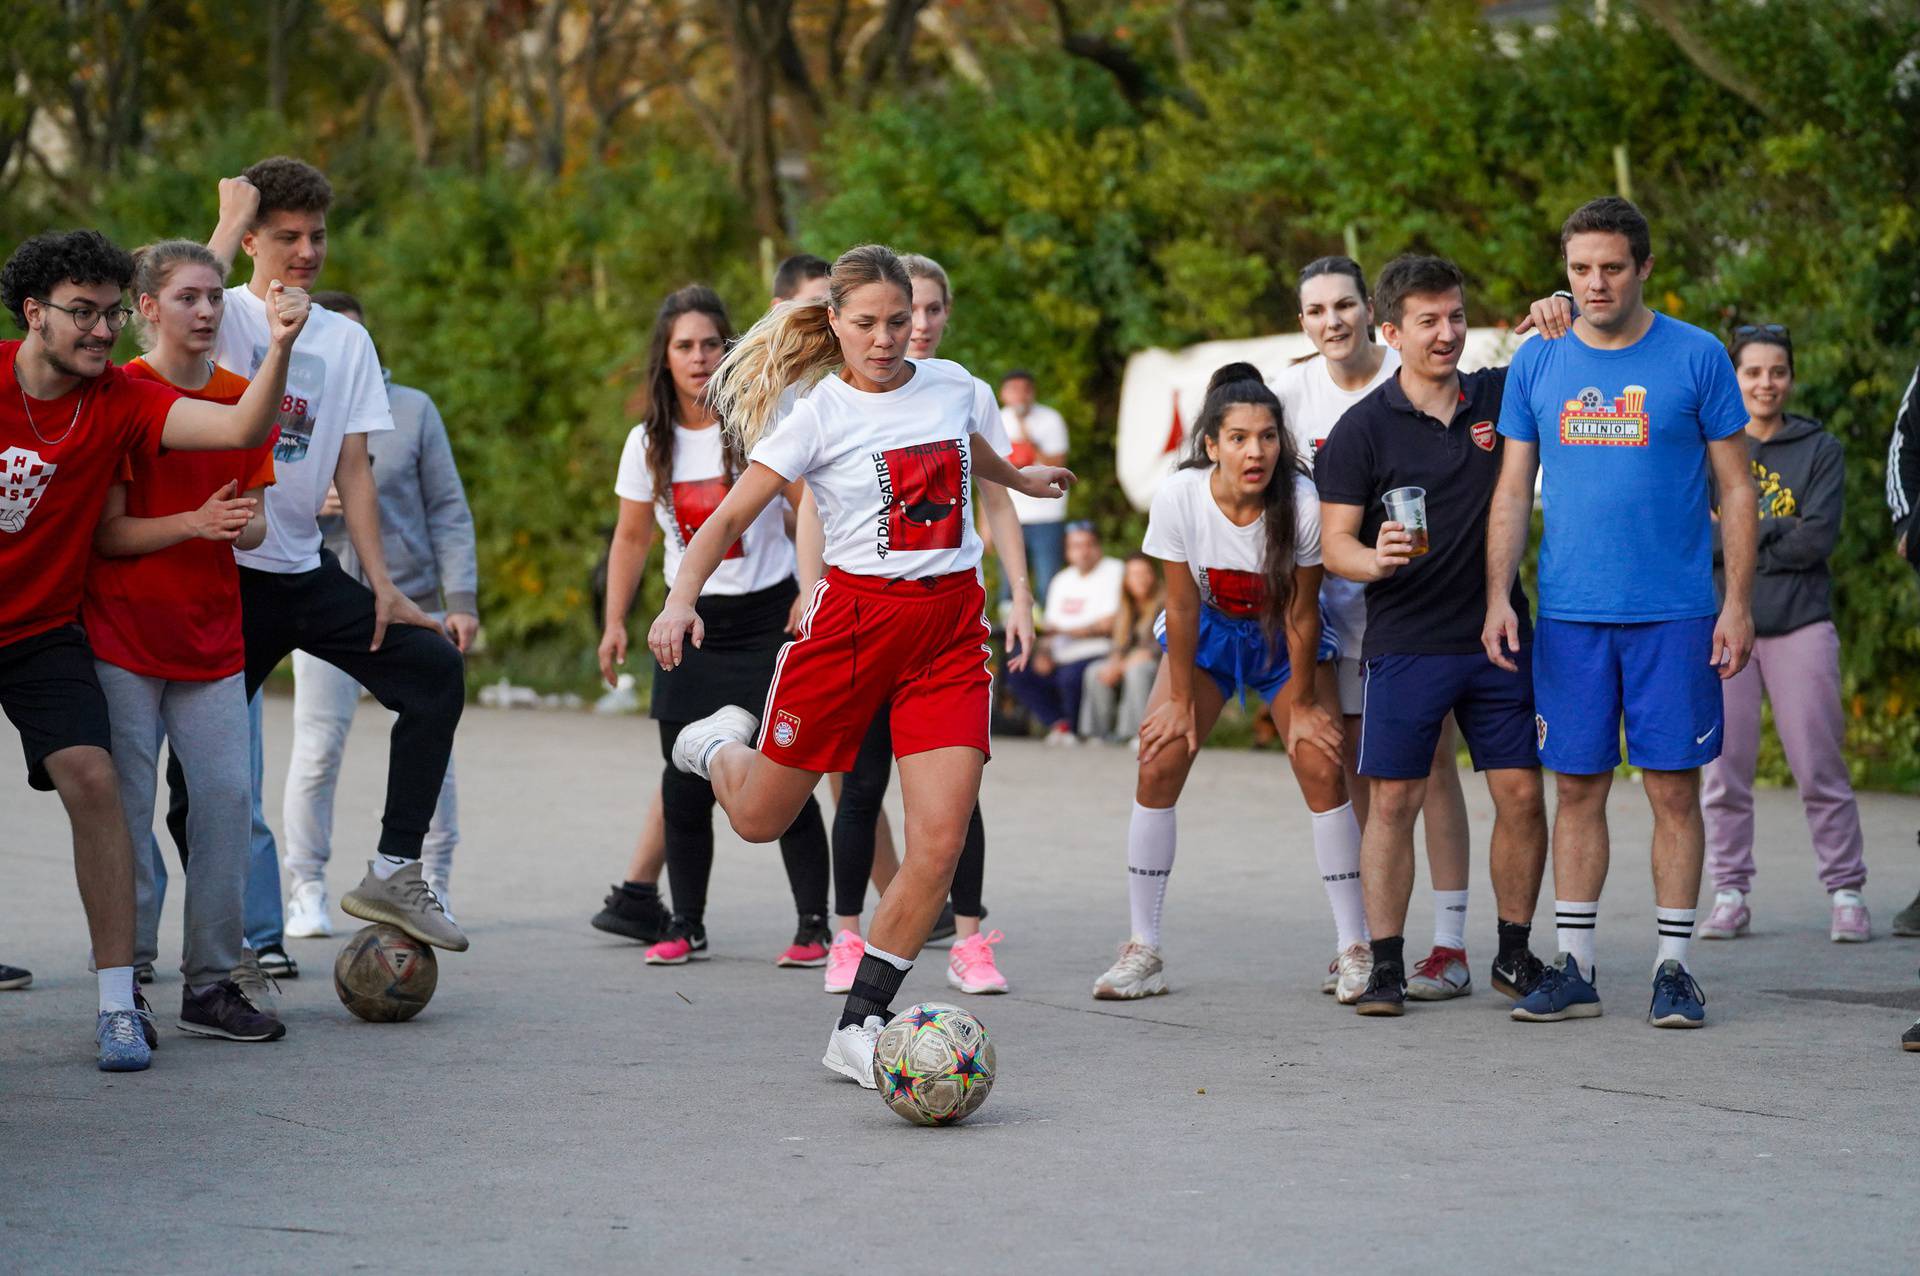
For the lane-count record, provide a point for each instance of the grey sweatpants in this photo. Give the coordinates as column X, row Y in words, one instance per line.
column 205, row 724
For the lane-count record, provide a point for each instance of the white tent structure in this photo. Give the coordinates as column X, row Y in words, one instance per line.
column 1161, row 395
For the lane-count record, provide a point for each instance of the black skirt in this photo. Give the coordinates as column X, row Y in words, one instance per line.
column 744, row 634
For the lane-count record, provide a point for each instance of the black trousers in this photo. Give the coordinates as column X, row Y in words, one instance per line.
column 686, row 806
column 862, row 791
column 417, row 673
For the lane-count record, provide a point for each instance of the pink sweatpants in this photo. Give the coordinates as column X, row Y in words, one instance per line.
column 1800, row 673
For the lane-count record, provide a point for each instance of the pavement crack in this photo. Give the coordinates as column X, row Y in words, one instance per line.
column 1699, row 1103
column 305, row 1125
column 1110, row 1014
column 269, row 1227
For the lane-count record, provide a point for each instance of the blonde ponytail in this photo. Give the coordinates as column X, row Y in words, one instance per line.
column 793, row 346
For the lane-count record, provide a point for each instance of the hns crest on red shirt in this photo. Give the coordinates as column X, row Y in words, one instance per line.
column 23, row 477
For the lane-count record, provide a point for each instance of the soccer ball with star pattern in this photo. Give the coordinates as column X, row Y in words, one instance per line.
column 934, row 1064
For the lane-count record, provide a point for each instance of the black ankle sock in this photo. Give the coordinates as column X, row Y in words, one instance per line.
column 1514, row 939
column 641, row 890
column 874, row 986
column 1389, row 950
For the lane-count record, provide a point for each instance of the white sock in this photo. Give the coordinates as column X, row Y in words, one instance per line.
column 1336, row 850
column 1150, row 844
column 1573, row 928
column 116, row 988
column 898, row 963
column 1676, row 928
column 1847, row 895
column 1449, row 919
column 385, row 866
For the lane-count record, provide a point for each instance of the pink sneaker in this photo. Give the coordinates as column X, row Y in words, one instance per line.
column 809, row 946
column 843, row 961
column 1729, row 917
column 1850, row 923
column 679, row 948
column 970, row 965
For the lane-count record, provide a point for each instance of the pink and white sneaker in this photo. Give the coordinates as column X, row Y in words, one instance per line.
column 685, row 944
column 1850, row 922
column 809, row 946
column 970, row 965
column 843, row 961
column 1729, row 917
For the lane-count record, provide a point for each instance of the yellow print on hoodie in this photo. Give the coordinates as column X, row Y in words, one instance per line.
column 1776, row 499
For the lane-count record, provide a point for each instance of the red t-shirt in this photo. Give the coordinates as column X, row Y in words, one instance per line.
column 51, row 492
column 175, row 613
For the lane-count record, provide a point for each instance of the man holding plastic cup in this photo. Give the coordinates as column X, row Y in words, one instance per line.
column 1405, row 480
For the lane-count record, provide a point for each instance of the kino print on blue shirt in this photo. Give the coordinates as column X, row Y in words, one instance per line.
column 1624, row 475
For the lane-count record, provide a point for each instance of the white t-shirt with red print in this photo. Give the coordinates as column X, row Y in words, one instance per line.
column 890, row 472
column 1186, row 525
column 761, row 558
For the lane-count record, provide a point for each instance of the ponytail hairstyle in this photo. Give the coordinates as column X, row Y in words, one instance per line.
column 1238, row 385
column 662, row 400
column 154, row 265
column 792, row 345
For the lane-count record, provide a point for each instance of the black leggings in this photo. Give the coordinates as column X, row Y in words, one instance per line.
column 417, row 673
column 861, row 793
column 686, row 804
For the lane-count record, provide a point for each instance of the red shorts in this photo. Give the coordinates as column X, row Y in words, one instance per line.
column 865, row 639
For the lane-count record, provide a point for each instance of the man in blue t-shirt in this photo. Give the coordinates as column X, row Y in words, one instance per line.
column 1624, row 417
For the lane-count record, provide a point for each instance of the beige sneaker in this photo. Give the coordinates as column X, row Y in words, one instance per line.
column 404, row 900
column 1356, row 967
column 1139, row 972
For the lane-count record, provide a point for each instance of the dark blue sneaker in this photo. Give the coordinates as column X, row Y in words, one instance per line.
column 123, row 1044
column 1677, row 999
column 1562, row 993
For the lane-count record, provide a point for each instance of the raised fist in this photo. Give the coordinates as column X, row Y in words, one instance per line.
column 239, row 202
column 286, row 312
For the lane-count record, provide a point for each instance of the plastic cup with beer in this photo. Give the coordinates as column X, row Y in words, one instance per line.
column 1407, row 506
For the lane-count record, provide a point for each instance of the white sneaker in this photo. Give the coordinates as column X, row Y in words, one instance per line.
column 1441, row 976
column 1138, row 972
column 1331, row 984
column 729, row 724
column 307, row 912
column 1355, row 964
column 439, row 886
column 850, row 1051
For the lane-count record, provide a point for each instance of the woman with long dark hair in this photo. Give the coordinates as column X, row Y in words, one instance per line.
column 1238, row 528
column 676, row 469
column 888, row 446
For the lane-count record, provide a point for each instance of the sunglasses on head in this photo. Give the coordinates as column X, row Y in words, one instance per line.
column 1777, row 330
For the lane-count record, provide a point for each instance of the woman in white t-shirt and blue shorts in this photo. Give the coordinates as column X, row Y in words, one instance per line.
column 673, row 480
column 888, row 447
column 1238, row 527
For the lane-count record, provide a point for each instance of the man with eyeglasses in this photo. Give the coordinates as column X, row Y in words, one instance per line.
column 1625, row 417
column 68, row 420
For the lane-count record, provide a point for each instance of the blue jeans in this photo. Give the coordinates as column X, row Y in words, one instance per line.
column 1046, row 545
column 261, row 912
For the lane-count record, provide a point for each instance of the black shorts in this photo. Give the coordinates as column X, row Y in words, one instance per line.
column 745, row 633
column 52, row 695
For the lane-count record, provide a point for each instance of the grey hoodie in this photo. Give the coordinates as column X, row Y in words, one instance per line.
column 1799, row 472
column 425, row 525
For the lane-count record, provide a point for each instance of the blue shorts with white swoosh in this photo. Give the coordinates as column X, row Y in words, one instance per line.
column 1587, row 677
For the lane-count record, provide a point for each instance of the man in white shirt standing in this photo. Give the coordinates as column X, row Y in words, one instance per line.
column 1078, row 623
column 1039, row 437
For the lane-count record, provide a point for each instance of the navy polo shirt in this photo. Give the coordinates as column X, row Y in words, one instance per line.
column 1438, row 602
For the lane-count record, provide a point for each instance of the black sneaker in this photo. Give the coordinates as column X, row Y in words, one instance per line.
column 1906, row 922
column 1910, row 1039
column 12, row 977
column 274, row 961
column 143, row 973
column 1386, row 992
column 943, row 927
column 144, row 1013
column 638, row 917
column 223, row 1011
column 684, row 941
column 1519, row 975
column 811, row 942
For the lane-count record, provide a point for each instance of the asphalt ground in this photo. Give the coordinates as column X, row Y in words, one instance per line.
column 562, row 1105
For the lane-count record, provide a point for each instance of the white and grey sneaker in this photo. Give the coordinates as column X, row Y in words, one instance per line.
column 699, row 741
column 1355, row 967
column 850, row 1051
column 307, row 912
column 1441, row 976
column 1137, row 973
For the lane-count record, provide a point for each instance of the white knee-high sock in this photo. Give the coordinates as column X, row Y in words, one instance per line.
column 1675, row 926
column 1450, row 919
column 1573, row 927
column 1336, row 850
column 1150, row 843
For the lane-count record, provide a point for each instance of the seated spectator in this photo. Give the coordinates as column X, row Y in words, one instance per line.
column 1114, row 694
column 1082, row 602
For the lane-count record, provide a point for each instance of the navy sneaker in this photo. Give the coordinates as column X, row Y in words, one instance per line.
column 1386, row 991
column 123, row 1045
column 1562, row 993
column 12, row 977
column 1677, row 999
